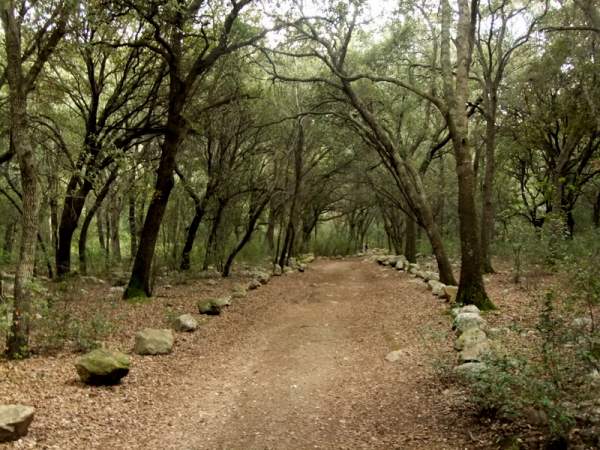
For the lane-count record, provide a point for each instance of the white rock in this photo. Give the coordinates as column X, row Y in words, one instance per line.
column 14, row 421
column 582, row 322
column 470, row 369
column 470, row 337
column 475, row 352
column 185, row 322
column 469, row 309
column 450, row 293
column 394, row 356
column 464, row 321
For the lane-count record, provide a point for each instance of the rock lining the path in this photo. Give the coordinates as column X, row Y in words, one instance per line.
column 254, row 284
column 102, row 367
column 15, row 421
column 209, row 308
column 185, row 323
column 465, row 320
column 152, row 341
column 450, row 293
column 469, row 338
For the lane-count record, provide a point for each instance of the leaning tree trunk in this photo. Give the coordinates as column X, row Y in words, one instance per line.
column 190, row 237
column 88, row 220
column 140, row 281
column 245, row 239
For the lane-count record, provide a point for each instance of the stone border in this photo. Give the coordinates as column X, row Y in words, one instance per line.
column 472, row 342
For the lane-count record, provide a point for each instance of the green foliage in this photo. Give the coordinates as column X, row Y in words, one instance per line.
column 87, row 335
column 544, row 386
column 56, row 327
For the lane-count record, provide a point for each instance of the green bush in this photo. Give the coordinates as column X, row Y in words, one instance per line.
column 547, row 386
column 55, row 328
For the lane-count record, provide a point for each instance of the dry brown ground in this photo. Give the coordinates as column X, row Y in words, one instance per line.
column 298, row 364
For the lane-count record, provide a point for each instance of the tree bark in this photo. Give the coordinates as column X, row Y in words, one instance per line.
column 140, row 281
column 131, row 217
column 17, row 344
column 410, row 244
column 88, row 220
column 487, row 207
column 115, row 222
column 253, row 219
column 73, row 206
column 596, row 211
column 212, row 241
column 471, row 289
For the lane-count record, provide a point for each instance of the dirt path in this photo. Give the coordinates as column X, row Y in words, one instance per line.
column 298, row 364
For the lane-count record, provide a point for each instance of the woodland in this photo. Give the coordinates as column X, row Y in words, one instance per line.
column 142, row 140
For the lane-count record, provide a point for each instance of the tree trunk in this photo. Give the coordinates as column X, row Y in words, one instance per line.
column 192, row 230
column 270, row 233
column 53, row 202
column 487, row 207
column 72, row 208
column 245, row 239
column 107, row 227
column 115, row 222
column 596, row 212
column 212, row 241
column 140, row 281
column 131, row 217
column 471, row 289
column 88, row 220
column 17, row 344
column 101, row 235
column 410, row 243
column 9, row 235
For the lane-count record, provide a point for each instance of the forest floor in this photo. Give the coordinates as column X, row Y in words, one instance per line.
column 297, row 364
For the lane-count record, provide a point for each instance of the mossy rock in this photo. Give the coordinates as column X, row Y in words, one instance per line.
column 208, row 307
column 102, row 367
column 239, row 293
column 150, row 341
column 222, row 301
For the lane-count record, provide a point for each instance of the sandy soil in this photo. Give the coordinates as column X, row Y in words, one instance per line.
column 297, row 364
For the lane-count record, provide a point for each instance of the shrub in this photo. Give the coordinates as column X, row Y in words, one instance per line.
column 549, row 385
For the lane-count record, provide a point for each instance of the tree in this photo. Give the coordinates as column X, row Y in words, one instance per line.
column 494, row 48
column 172, row 42
column 23, row 66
